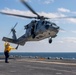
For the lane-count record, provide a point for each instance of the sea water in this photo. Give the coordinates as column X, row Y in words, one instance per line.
column 42, row 54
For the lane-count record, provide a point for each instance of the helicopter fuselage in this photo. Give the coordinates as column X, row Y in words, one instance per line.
column 42, row 30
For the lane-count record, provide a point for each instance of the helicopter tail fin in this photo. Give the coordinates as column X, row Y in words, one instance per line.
column 12, row 41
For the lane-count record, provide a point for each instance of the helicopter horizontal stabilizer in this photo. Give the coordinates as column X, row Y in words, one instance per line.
column 12, row 41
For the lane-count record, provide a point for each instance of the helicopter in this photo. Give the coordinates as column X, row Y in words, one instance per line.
column 36, row 30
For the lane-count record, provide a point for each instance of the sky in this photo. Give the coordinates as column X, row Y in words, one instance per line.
column 66, row 38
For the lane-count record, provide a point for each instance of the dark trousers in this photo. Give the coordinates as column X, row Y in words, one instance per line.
column 6, row 56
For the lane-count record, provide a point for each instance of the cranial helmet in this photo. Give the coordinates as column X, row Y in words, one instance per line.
column 8, row 44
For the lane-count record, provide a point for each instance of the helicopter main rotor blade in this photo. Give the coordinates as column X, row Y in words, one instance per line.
column 68, row 17
column 23, row 16
column 29, row 7
column 18, row 15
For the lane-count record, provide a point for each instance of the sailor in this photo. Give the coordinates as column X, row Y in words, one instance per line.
column 7, row 49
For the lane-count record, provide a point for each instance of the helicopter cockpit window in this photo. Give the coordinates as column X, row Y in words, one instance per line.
column 54, row 25
column 45, row 22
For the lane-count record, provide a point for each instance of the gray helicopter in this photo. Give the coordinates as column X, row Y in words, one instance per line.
column 36, row 30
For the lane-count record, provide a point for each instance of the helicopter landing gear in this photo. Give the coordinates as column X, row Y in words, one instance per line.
column 50, row 40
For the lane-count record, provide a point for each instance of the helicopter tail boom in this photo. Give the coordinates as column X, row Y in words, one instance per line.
column 12, row 41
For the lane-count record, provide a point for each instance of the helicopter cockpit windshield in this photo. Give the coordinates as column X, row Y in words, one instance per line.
column 54, row 25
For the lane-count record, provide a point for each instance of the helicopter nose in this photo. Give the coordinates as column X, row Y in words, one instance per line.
column 58, row 27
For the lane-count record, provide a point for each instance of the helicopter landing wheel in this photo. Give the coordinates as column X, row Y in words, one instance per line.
column 50, row 40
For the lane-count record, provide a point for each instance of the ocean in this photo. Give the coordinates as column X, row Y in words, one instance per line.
column 41, row 54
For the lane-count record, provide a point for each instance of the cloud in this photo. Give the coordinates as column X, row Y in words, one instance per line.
column 63, row 10
column 72, row 20
column 73, row 31
column 67, row 40
column 74, row 12
column 48, row 1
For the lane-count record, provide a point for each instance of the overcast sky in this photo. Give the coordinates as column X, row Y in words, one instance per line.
column 65, row 40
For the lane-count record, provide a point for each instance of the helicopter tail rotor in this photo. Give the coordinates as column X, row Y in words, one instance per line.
column 13, row 28
column 15, row 25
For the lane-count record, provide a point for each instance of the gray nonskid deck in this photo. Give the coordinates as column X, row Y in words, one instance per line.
column 37, row 67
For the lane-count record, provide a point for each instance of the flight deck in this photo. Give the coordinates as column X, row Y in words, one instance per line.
column 41, row 66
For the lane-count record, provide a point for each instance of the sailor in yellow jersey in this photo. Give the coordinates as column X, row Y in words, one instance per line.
column 7, row 49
